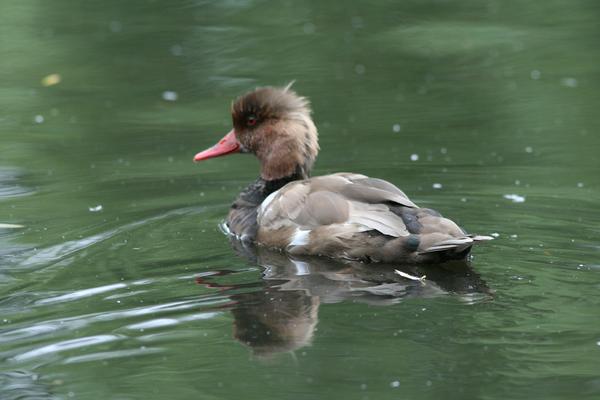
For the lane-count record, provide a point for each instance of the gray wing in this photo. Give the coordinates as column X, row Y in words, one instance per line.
column 344, row 199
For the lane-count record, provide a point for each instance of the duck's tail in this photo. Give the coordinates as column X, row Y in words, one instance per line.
column 456, row 245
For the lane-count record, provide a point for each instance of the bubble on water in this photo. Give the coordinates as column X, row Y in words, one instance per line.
column 569, row 82
column 437, row 185
column 169, row 95
column 360, row 69
column 414, row 157
column 579, row 184
column 115, row 26
column 529, row 149
column 395, row 384
column 535, row 74
column 176, row 50
column 515, row 198
column 96, row 208
column 357, row 22
column 308, row 28
column 396, row 128
column 38, row 119
column 463, row 199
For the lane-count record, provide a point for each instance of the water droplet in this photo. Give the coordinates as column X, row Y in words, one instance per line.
column 169, row 95
column 115, row 26
column 176, row 50
column 357, row 22
column 515, row 198
column 308, row 28
column 569, row 82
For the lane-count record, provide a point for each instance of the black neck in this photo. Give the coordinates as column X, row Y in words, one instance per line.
column 276, row 184
column 257, row 191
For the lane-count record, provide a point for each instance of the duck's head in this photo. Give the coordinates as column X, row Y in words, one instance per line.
column 275, row 125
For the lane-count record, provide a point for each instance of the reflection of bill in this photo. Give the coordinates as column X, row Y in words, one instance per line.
column 281, row 313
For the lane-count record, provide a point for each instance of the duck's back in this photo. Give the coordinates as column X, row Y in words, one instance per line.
column 356, row 217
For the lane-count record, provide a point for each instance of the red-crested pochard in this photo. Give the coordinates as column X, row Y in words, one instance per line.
column 343, row 215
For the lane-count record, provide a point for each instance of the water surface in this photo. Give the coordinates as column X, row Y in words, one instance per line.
column 119, row 283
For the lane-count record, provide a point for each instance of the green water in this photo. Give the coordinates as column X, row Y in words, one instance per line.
column 146, row 298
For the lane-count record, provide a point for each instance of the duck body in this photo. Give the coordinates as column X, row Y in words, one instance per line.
column 344, row 215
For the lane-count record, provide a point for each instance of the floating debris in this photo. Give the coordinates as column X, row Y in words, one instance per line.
column 169, row 95
column 437, row 185
column 38, row 119
column 414, row 157
column 535, row 74
column 395, row 384
column 411, row 277
column 96, row 208
column 51, row 80
column 529, row 149
column 515, row 198
column 495, row 234
column 396, row 128
column 579, row 184
column 10, row 226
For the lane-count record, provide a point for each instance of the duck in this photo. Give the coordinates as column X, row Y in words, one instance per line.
column 346, row 216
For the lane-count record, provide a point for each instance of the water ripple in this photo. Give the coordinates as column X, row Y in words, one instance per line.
column 42, row 257
column 67, row 345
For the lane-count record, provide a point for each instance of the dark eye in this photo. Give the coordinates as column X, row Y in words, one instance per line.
column 251, row 120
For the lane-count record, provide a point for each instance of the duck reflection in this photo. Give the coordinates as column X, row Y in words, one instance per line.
column 280, row 313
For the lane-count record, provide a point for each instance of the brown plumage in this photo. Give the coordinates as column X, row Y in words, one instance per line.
column 342, row 215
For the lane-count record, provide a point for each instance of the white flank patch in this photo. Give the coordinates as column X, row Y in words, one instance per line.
column 300, row 238
column 266, row 202
column 302, row 268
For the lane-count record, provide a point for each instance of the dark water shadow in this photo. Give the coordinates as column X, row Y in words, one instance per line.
column 280, row 313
